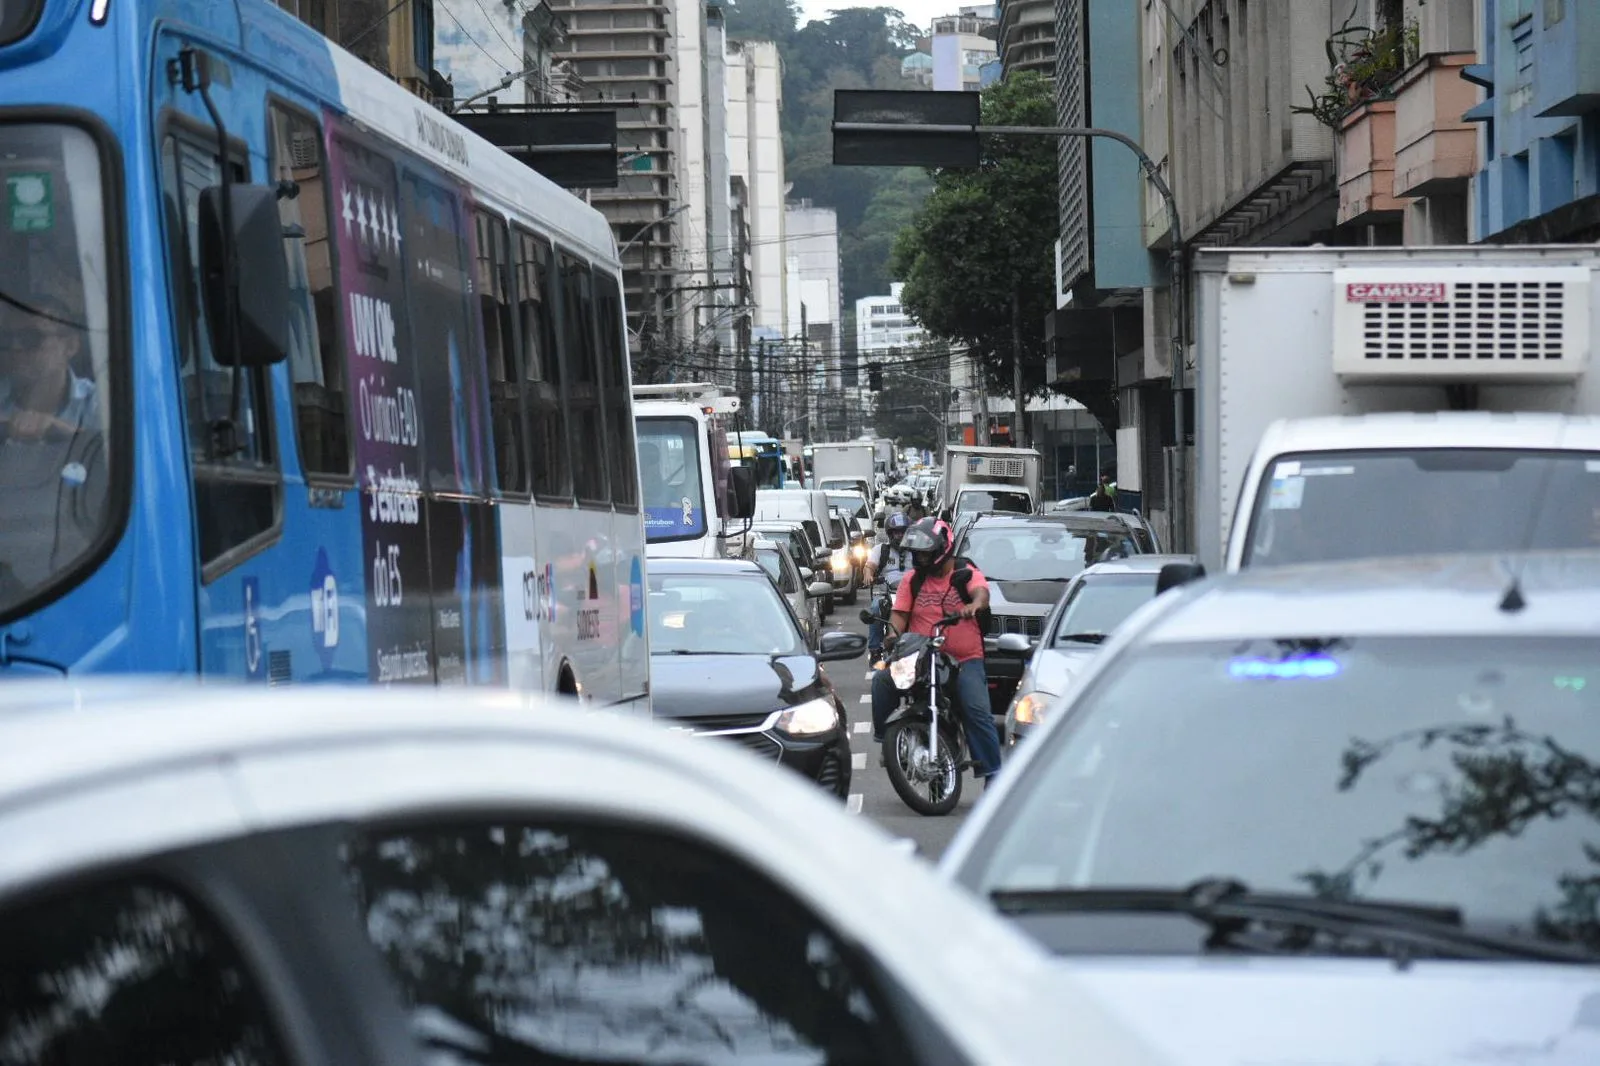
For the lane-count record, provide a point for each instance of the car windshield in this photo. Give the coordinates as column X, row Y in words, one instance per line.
column 719, row 614
column 1043, row 551
column 1100, row 602
column 851, row 503
column 1457, row 772
column 55, row 358
column 669, row 479
column 998, row 500
column 1447, row 500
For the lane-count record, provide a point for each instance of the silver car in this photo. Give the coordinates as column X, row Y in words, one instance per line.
column 1097, row 600
column 797, row 583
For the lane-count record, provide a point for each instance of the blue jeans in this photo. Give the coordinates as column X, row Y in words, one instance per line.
column 875, row 638
column 972, row 685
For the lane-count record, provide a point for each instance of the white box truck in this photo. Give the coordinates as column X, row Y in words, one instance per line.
column 697, row 505
column 1361, row 402
column 845, row 467
column 990, row 479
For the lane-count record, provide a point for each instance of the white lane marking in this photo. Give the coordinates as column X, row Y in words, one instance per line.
column 869, row 675
column 858, row 761
column 863, row 727
column 853, row 804
column 866, row 699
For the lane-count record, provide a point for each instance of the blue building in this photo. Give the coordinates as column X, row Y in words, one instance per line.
column 1540, row 176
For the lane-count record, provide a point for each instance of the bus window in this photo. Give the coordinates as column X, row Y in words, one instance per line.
column 493, row 286
column 449, row 367
column 582, row 366
column 541, row 360
column 55, row 358
column 619, row 391
column 235, row 469
column 321, row 401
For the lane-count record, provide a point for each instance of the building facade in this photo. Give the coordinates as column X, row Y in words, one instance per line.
column 960, row 45
column 811, row 239
column 507, row 51
column 882, row 324
column 1026, row 36
column 755, row 157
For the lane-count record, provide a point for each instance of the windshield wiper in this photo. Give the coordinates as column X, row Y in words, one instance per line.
column 1229, row 909
column 1081, row 638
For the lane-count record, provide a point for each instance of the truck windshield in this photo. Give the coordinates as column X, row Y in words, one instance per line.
column 1329, row 506
column 669, row 478
column 55, row 358
column 994, row 500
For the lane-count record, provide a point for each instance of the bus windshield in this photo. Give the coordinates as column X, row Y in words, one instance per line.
column 669, row 479
column 54, row 358
column 1321, row 507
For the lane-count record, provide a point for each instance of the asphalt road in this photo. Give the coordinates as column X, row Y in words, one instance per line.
column 871, row 795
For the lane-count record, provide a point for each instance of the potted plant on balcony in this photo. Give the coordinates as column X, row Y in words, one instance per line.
column 1364, row 63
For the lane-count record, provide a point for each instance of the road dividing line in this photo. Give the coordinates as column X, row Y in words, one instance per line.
column 858, row 761
column 865, row 700
column 863, row 727
column 853, row 804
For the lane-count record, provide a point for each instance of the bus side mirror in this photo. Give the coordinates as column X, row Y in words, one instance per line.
column 261, row 299
column 741, row 492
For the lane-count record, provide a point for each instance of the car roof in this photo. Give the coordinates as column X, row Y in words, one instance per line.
column 1134, row 564
column 1438, row 429
column 704, row 566
column 1082, row 519
column 1452, row 595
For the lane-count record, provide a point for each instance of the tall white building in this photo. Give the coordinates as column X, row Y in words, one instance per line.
column 811, row 238
column 755, row 157
column 960, row 48
column 882, row 323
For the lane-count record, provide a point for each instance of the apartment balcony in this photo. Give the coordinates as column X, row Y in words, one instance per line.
column 1434, row 150
column 1366, row 165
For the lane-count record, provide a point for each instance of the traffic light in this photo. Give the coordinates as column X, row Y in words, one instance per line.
column 875, row 377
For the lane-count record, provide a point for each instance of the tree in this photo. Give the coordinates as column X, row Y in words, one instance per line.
column 910, row 406
column 987, row 235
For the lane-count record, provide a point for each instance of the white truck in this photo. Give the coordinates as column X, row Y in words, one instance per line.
column 696, row 504
column 1361, row 402
column 845, row 467
column 884, row 454
column 990, row 479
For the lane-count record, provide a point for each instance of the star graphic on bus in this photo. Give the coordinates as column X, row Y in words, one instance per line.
column 349, row 215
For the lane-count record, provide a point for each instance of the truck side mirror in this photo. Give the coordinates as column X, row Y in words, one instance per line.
column 1174, row 574
column 261, row 298
column 741, row 492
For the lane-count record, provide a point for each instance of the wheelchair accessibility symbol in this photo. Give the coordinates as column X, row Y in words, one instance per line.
column 254, row 657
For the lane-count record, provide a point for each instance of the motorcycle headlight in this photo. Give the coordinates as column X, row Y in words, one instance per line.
column 859, row 551
column 808, row 719
column 1030, row 707
column 903, row 672
column 840, row 559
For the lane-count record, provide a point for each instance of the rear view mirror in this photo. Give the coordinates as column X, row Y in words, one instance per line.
column 835, row 646
column 818, row 589
column 741, row 492
column 261, row 294
column 1174, row 574
column 1014, row 644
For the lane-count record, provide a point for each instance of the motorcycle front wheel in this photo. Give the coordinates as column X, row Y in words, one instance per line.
column 928, row 782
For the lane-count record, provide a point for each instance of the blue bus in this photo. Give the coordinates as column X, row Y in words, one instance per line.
column 299, row 379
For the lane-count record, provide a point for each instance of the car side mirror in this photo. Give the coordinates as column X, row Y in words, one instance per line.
column 837, row 646
column 806, row 574
column 818, row 589
column 249, row 325
column 1015, row 644
column 741, row 492
column 1174, row 574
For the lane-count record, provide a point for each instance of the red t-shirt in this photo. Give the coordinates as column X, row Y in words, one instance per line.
column 937, row 598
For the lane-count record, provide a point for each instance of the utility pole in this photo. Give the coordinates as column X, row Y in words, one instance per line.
column 981, row 428
column 1019, row 420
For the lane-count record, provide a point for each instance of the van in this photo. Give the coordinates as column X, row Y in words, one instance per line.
column 811, row 508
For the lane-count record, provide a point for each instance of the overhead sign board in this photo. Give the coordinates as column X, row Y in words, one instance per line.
column 941, row 128
column 574, row 149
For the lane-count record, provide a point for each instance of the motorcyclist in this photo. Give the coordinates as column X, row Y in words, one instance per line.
column 888, row 564
column 932, row 548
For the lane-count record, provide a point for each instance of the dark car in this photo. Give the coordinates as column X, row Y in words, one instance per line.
column 1028, row 560
column 728, row 659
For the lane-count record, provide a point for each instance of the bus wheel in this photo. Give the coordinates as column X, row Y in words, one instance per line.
column 568, row 685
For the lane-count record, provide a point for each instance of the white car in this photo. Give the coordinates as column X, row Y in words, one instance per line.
column 1342, row 814
column 207, row 875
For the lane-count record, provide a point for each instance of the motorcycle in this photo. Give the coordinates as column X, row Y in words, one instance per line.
column 924, row 743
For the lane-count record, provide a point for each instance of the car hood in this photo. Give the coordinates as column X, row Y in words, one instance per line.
column 1053, row 669
column 1277, row 1012
column 708, row 686
column 1024, row 597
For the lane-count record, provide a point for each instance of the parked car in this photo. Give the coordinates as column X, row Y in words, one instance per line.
column 1028, row 560
column 1360, row 792
column 797, row 584
column 202, row 875
column 1098, row 600
column 728, row 659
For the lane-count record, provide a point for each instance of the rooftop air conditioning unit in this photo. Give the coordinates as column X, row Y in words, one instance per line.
column 994, row 466
column 1461, row 324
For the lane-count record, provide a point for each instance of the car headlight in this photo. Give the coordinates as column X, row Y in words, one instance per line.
column 840, row 559
column 809, row 718
column 903, row 672
column 860, row 552
column 1031, row 707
